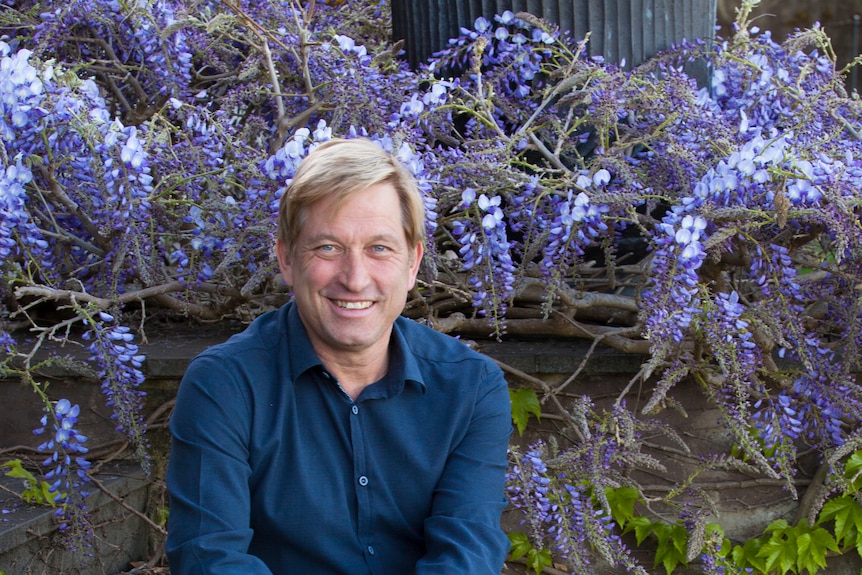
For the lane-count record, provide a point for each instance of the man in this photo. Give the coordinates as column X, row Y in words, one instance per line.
column 334, row 436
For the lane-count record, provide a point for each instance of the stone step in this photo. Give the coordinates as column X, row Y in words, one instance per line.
column 28, row 533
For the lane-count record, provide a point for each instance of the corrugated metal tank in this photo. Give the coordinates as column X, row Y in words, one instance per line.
column 633, row 29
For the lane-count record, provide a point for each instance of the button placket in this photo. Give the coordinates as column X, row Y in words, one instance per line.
column 363, row 494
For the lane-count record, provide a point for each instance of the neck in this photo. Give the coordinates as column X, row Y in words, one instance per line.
column 355, row 372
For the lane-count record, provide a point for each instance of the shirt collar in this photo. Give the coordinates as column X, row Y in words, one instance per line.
column 402, row 363
column 403, row 367
column 300, row 352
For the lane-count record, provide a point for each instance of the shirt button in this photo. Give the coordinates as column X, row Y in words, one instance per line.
column 354, row 409
column 370, row 550
column 363, row 481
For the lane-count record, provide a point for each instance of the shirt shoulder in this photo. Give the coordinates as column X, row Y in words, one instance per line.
column 259, row 337
column 427, row 343
column 252, row 358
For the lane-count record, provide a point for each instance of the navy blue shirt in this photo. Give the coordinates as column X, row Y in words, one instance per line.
column 275, row 469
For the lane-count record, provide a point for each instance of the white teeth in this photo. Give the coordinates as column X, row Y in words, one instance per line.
column 353, row 304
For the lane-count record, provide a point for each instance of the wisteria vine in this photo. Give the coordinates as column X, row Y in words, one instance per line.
column 714, row 228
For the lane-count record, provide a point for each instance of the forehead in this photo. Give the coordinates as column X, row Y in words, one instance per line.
column 375, row 210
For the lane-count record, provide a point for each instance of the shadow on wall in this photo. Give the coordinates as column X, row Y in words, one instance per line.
column 782, row 17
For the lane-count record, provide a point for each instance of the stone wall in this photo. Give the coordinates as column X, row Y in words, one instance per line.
column 30, row 543
column 745, row 504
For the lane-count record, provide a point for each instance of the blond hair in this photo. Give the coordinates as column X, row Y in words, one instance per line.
column 339, row 168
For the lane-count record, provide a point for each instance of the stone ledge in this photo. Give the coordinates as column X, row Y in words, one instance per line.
column 27, row 532
column 170, row 348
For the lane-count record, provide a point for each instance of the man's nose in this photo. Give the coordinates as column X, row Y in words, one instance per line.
column 354, row 273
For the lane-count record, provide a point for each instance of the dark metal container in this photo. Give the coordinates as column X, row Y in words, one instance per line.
column 633, row 30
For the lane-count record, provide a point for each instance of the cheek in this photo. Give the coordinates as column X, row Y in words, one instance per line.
column 319, row 272
column 392, row 272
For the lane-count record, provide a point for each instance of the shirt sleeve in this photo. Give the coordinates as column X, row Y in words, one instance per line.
column 209, row 527
column 463, row 533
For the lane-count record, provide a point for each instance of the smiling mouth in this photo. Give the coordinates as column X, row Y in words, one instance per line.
column 353, row 304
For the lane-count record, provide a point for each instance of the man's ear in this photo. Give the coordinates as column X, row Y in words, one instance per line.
column 284, row 262
column 417, row 260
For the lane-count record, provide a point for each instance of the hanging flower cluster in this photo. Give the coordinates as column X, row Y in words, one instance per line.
column 119, row 369
column 67, row 471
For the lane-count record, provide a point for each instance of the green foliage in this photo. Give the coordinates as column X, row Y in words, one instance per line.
column 524, row 402
column 846, row 513
column 162, row 514
column 749, row 554
column 795, row 548
column 804, row 548
column 35, row 491
column 536, row 559
column 853, row 471
column 672, row 545
column 622, row 501
column 671, row 539
column 641, row 526
column 783, row 548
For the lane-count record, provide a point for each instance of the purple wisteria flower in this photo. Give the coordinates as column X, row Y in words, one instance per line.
column 486, row 254
column 66, row 446
column 674, row 300
column 558, row 496
column 67, row 471
column 575, row 223
column 119, row 368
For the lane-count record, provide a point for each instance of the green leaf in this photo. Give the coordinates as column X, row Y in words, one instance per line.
column 679, row 536
column 779, row 525
column 163, row 512
column 747, row 555
column 524, row 402
column 853, row 469
column 538, row 560
column 35, row 491
column 520, row 544
column 18, row 471
column 804, row 544
column 672, row 545
column 779, row 555
column 854, row 463
column 846, row 512
column 813, row 544
column 798, row 548
column 642, row 527
column 622, row 501
column 45, row 496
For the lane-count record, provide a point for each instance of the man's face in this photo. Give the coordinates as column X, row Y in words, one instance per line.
column 350, row 271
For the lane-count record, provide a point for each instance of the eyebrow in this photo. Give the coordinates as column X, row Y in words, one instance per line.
column 378, row 238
